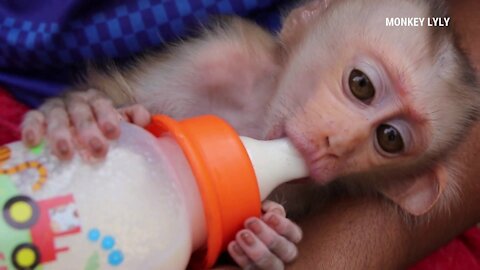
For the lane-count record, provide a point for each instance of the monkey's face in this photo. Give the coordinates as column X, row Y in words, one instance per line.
column 363, row 119
column 357, row 96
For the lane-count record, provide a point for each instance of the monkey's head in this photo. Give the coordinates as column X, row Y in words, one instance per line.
column 359, row 97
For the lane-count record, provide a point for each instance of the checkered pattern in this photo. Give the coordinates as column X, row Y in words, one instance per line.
column 113, row 28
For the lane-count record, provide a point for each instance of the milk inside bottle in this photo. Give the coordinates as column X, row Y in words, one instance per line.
column 150, row 204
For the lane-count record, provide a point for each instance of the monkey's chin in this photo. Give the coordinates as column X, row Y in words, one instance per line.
column 321, row 177
column 276, row 132
column 317, row 177
column 306, row 180
column 321, row 173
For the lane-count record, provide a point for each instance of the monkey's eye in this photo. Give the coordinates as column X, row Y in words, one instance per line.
column 361, row 86
column 389, row 139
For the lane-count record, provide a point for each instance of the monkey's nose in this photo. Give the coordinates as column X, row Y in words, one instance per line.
column 345, row 141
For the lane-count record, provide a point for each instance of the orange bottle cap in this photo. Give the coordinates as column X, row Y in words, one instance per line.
column 223, row 172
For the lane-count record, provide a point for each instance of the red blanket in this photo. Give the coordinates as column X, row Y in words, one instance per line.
column 463, row 253
column 11, row 113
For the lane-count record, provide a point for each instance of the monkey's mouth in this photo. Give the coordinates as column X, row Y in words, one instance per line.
column 323, row 166
column 276, row 132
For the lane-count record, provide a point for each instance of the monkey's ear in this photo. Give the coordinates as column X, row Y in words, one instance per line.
column 418, row 194
column 299, row 19
column 305, row 12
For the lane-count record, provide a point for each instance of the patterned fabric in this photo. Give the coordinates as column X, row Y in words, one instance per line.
column 55, row 33
column 42, row 40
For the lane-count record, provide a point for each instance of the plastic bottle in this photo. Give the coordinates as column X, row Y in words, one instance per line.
column 150, row 204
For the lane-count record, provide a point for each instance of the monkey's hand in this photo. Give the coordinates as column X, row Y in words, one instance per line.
column 268, row 242
column 85, row 118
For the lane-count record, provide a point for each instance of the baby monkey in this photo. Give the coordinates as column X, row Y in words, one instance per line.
column 372, row 104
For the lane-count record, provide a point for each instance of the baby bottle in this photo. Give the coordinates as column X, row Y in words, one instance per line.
column 165, row 199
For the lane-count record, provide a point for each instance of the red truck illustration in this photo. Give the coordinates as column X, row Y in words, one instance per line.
column 40, row 222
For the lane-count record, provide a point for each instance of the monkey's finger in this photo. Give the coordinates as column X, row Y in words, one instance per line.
column 238, row 255
column 136, row 114
column 271, row 206
column 33, row 128
column 107, row 117
column 257, row 251
column 283, row 226
column 277, row 244
column 86, row 129
column 58, row 128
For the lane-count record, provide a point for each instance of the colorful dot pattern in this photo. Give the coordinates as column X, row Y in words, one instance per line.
column 115, row 257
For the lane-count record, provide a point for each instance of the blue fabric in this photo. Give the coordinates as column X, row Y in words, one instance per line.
column 47, row 38
column 51, row 34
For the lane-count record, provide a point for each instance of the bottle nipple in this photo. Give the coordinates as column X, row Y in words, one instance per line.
column 274, row 162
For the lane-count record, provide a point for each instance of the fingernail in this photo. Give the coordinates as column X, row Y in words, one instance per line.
column 96, row 145
column 273, row 221
column 30, row 137
column 109, row 129
column 278, row 210
column 254, row 225
column 63, row 148
column 237, row 249
column 248, row 238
